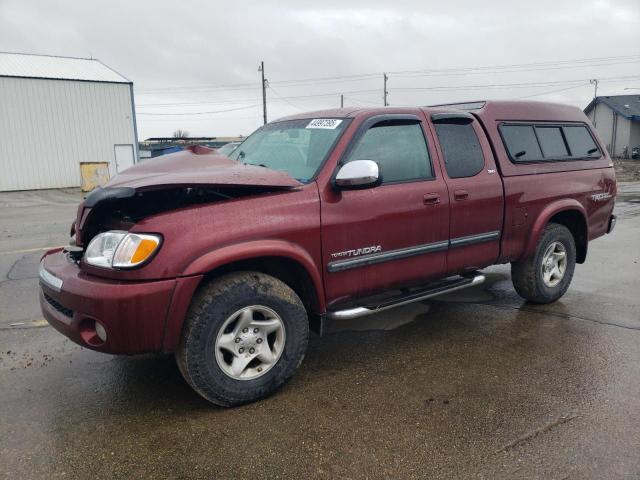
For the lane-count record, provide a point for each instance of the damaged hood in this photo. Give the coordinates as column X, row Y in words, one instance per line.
column 196, row 175
column 196, row 166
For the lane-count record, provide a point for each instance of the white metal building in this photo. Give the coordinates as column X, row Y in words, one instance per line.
column 617, row 119
column 56, row 112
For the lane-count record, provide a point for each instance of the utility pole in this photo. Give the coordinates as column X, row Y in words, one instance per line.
column 594, row 81
column 385, row 77
column 264, row 93
column 341, row 100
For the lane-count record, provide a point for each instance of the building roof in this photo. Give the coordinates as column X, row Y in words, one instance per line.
column 627, row 106
column 59, row 68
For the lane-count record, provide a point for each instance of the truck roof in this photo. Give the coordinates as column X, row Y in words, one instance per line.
column 487, row 110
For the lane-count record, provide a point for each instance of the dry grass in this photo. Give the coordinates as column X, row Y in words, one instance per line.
column 627, row 170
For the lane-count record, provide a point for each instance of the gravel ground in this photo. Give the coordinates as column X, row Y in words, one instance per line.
column 627, row 170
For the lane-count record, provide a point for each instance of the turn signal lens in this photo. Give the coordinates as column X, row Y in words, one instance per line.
column 134, row 249
column 143, row 251
column 121, row 249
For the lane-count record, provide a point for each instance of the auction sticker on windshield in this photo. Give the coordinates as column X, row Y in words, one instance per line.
column 327, row 123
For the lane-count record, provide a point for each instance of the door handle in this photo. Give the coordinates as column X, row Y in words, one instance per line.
column 460, row 194
column 431, row 199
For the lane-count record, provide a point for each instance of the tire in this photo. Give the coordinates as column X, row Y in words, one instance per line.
column 214, row 333
column 528, row 276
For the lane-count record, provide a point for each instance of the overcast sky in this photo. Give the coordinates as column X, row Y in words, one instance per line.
column 202, row 56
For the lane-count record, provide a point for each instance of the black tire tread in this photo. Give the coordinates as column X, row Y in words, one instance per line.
column 524, row 274
column 188, row 357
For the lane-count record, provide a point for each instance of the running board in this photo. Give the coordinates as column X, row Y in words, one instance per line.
column 356, row 312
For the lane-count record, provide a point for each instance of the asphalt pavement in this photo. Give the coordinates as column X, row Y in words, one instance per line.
column 477, row 384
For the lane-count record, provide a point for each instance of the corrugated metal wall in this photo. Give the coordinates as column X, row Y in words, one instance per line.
column 48, row 126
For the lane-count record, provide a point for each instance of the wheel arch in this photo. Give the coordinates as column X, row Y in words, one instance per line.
column 283, row 260
column 275, row 257
column 569, row 213
column 286, row 269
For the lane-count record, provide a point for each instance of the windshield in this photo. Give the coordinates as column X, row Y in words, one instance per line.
column 228, row 148
column 297, row 147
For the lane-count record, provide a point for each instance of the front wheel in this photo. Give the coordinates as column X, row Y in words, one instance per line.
column 245, row 335
column 545, row 277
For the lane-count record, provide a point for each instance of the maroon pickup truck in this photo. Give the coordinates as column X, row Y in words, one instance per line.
column 325, row 216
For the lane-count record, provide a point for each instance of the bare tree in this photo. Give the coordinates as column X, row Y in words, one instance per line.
column 179, row 133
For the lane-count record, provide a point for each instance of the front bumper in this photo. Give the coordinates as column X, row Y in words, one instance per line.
column 133, row 314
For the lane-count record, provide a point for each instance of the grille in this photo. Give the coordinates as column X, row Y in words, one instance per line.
column 67, row 312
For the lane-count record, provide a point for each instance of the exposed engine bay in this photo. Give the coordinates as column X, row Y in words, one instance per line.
column 121, row 208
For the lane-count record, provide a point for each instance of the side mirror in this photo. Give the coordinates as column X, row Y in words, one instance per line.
column 358, row 174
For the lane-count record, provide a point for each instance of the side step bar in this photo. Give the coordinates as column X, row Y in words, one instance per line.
column 356, row 312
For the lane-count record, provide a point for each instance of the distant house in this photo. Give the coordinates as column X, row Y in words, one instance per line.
column 617, row 119
column 56, row 112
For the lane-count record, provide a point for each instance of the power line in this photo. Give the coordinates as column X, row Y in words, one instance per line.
column 219, row 102
column 552, row 91
column 284, row 99
column 201, row 119
column 522, row 70
column 196, row 113
column 551, row 65
column 360, row 101
column 606, row 61
column 357, row 102
column 578, row 83
column 571, row 84
column 509, row 85
column 293, row 97
column 452, row 72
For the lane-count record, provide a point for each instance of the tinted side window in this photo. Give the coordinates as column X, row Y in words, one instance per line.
column 552, row 142
column 531, row 143
column 580, row 141
column 399, row 148
column 521, row 142
column 461, row 149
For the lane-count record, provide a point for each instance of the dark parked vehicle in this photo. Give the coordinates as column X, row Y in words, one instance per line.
column 325, row 216
column 635, row 152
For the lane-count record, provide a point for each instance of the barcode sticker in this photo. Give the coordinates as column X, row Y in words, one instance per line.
column 326, row 123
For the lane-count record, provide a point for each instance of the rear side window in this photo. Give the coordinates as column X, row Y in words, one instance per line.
column 535, row 143
column 460, row 148
column 552, row 142
column 580, row 141
column 399, row 148
column 521, row 142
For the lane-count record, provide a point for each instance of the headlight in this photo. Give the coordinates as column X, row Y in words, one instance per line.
column 120, row 249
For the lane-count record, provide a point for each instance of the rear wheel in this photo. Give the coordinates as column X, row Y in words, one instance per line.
column 245, row 335
column 545, row 277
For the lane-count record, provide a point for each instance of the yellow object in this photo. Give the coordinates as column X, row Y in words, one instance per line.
column 145, row 248
column 93, row 175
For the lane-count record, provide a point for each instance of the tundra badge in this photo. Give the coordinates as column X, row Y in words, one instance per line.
column 599, row 197
column 358, row 251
